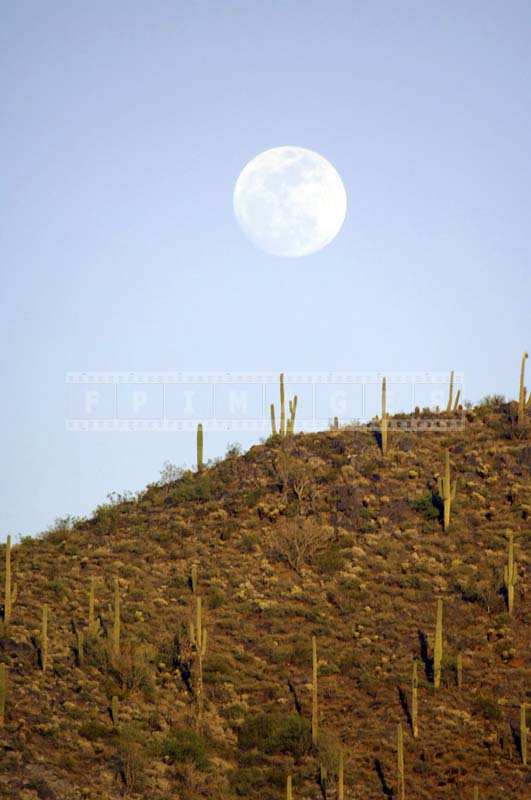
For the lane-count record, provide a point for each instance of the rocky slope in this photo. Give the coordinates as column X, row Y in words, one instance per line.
column 316, row 535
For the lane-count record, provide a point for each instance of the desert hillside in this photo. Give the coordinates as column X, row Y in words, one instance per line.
column 166, row 648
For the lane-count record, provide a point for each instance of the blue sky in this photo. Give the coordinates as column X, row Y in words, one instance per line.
column 124, row 127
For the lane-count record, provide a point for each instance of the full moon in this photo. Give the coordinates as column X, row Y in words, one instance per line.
column 290, row 201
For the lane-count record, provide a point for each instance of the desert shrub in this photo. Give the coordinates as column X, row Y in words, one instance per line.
column 190, row 487
column 299, row 542
column 274, row 733
column 252, row 497
column 250, row 541
column 106, row 519
column 486, row 707
column 330, row 560
column 132, row 758
column 94, row 729
column 134, row 669
column 217, row 668
column 427, row 506
column 184, row 745
column 170, row 473
column 246, row 780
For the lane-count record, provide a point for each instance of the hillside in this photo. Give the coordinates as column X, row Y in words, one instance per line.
column 312, row 535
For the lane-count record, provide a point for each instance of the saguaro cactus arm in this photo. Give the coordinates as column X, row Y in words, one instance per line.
column 438, row 650
column 200, row 464
column 522, row 392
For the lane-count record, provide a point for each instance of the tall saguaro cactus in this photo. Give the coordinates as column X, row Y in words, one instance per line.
column 522, row 392
column 116, row 622
column 438, row 649
column 315, row 718
column 385, row 418
column 401, row 793
column 341, row 777
column 286, row 426
column 415, row 700
column 447, row 490
column 198, row 639
column 450, row 393
column 510, row 574
column 200, row 464
column 92, row 623
column 44, row 638
column 3, row 694
column 8, row 591
column 289, row 788
column 523, row 734
column 282, row 406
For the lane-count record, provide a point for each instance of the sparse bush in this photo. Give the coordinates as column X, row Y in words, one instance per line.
column 106, row 519
column 184, row 745
column 94, row 730
column 246, row 780
column 273, row 733
column 487, row 707
column 330, row 560
column 427, row 506
column 300, row 542
column 170, row 473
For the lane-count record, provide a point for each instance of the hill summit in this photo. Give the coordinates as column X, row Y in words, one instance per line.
column 311, row 619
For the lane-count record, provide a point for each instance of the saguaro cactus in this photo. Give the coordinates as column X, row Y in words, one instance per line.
column 315, row 718
column 282, row 406
column 450, row 393
column 523, row 734
column 286, row 427
column 341, row 777
column 289, row 788
column 116, row 622
column 114, row 710
column 522, row 393
column 7, row 593
column 415, row 700
column 44, row 638
column 459, row 669
column 3, row 694
column 401, row 793
column 80, row 647
column 385, row 418
column 438, row 650
column 273, row 421
column 193, row 578
column 510, row 574
column 92, row 622
column 447, row 490
column 292, row 413
column 200, row 464
column 198, row 638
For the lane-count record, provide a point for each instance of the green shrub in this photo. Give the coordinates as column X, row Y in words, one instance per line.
column 330, row 560
column 246, row 780
column 185, row 745
column 274, row 733
column 487, row 707
column 94, row 730
column 427, row 506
